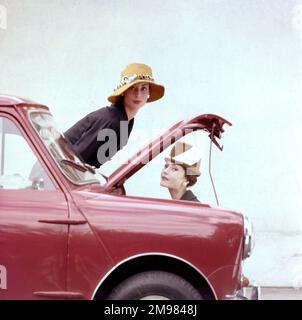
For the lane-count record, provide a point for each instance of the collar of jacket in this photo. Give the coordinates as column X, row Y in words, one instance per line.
column 188, row 195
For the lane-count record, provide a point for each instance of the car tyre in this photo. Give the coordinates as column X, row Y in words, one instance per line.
column 154, row 285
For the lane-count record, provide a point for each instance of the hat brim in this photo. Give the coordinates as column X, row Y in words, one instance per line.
column 191, row 169
column 157, row 91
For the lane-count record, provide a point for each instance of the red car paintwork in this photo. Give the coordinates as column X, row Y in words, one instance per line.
column 68, row 242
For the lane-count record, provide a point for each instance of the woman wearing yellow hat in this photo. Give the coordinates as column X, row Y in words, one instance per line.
column 136, row 88
column 181, row 171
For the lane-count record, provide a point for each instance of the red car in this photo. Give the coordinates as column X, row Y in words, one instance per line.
column 66, row 232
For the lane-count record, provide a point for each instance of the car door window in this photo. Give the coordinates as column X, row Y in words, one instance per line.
column 19, row 167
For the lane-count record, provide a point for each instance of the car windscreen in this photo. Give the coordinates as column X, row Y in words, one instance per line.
column 70, row 165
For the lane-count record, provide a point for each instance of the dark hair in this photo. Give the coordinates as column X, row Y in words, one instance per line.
column 120, row 101
column 191, row 178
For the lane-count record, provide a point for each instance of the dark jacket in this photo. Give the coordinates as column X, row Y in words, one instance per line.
column 189, row 196
column 83, row 136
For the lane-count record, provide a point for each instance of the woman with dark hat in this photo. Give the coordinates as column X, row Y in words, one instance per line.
column 181, row 171
column 100, row 134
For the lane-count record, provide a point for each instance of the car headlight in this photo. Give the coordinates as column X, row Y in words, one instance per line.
column 248, row 240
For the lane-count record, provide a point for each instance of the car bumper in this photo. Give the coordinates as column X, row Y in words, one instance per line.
column 253, row 292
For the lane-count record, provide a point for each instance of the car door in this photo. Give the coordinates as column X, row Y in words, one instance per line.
column 33, row 245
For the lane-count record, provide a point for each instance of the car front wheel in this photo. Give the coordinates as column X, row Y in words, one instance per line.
column 154, row 285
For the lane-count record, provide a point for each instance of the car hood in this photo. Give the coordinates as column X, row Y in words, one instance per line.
column 210, row 123
column 126, row 211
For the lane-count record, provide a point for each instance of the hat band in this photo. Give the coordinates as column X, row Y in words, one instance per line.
column 131, row 78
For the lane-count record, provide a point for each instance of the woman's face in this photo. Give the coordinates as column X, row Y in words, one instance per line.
column 136, row 96
column 173, row 176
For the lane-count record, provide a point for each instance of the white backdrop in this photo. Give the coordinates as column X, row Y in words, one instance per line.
column 239, row 59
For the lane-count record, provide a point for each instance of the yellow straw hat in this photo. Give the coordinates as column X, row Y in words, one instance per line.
column 186, row 155
column 136, row 73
